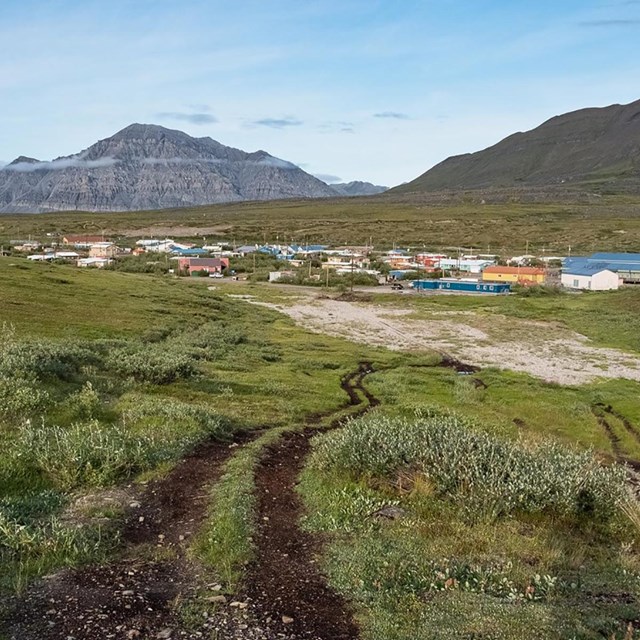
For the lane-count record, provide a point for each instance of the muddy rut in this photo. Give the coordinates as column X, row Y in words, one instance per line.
column 285, row 584
column 131, row 597
column 134, row 596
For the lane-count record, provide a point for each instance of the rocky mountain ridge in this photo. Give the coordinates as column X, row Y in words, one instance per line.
column 151, row 167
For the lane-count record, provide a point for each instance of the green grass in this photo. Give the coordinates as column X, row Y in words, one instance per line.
column 243, row 367
column 121, row 374
column 435, row 574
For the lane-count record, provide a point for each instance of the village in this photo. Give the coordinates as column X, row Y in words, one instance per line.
column 402, row 269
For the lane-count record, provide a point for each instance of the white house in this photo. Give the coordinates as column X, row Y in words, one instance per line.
column 592, row 279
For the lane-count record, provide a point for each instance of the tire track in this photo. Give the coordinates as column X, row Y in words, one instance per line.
column 132, row 597
column 614, row 439
column 285, row 584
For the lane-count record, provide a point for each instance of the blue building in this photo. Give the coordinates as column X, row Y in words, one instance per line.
column 461, row 286
column 625, row 265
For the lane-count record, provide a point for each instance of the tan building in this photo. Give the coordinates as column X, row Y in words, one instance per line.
column 103, row 250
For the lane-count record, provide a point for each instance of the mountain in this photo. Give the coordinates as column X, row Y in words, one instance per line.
column 357, row 188
column 150, row 167
column 596, row 148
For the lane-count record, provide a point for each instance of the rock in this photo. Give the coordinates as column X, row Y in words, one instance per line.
column 287, row 620
column 164, row 634
column 133, row 633
column 134, row 505
column 128, row 592
column 390, row 512
column 216, row 599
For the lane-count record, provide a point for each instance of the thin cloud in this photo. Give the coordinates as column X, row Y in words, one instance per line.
column 622, row 22
column 339, row 126
column 278, row 123
column 392, row 115
column 328, row 178
column 62, row 163
column 191, row 118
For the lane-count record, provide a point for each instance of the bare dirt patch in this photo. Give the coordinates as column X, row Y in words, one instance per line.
column 540, row 349
column 175, row 231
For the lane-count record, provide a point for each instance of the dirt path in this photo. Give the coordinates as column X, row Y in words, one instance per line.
column 132, row 597
column 135, row 596
column 285, row 583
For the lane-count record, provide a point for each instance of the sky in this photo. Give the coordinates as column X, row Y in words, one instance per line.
column 346, row 89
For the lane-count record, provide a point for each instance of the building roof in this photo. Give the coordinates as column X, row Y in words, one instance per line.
column 584, row 267
column 85, row 239
column 522, row 271
column 194, row 251
column 602, row 262
column 617, row 257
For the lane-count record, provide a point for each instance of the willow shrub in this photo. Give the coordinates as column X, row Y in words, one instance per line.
column 488, row 477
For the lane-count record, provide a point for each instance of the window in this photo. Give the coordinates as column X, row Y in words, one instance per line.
column 576, row 284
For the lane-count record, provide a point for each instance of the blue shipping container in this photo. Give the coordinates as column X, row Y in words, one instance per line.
column 462, row 286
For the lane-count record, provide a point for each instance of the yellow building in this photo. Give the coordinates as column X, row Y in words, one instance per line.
column 516, row 275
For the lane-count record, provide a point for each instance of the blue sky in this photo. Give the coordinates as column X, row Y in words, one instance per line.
column 354, row 89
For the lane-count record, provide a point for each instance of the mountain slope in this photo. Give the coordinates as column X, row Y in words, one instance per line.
column 151, row 167
column 599, row 147
column 358, row 188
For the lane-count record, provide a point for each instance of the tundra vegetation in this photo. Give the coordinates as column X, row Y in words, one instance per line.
column 489, row 505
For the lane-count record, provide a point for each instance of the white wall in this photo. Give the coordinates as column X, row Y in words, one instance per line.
column 601, row 281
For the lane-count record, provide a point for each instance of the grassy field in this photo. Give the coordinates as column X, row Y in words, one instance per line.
column 119, row 374
column 583, row 225
column 106, row 377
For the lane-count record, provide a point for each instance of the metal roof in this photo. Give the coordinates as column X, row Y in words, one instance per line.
column 617, row 257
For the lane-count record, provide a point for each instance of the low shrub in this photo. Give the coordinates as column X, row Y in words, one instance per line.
column 91, row 453
column 181, row 417
column 41, row 359
column 486, row 476
column 151, row 363
column 20, row 398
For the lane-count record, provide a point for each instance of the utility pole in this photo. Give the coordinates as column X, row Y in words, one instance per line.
column 352, row 265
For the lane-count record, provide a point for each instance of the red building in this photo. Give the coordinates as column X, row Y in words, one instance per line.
column 210, row 265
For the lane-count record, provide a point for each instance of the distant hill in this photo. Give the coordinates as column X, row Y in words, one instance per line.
column 357, row 188
column 151, row 167
column 598, row 148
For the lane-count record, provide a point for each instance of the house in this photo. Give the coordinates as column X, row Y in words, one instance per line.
column 519, row 275
column 103, row 250
column 94, row 262
column 592, row 277
column 49, row 254
column 353, row 261
column 246, row 249
column 464, row 265
column 208, row 265
column 82, row 241
column 190, row 252
column 274, row 276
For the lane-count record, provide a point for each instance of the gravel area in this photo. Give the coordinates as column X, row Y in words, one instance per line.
column 540, row 349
